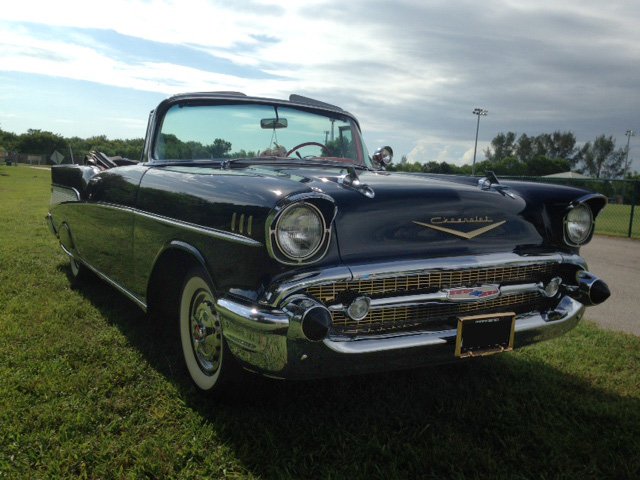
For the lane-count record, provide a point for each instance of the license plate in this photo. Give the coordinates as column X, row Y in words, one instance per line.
column 485, row 334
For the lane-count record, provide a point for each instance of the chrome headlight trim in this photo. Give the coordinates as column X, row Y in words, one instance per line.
column 317, row 242
column 577, row 236
column 322, row 205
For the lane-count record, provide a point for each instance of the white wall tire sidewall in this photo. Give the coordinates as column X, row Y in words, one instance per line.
column 201, row 379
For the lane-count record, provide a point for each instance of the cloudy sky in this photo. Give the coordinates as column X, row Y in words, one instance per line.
column 411, row 70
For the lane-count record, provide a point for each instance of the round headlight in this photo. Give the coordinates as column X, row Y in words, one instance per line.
column 578, row 224
column 299, row 231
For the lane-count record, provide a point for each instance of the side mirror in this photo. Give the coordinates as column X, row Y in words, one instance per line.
column 383, row 156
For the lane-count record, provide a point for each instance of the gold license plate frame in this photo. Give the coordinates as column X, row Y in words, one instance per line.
column 488, row 334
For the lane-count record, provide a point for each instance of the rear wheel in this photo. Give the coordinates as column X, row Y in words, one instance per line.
column 206, row 356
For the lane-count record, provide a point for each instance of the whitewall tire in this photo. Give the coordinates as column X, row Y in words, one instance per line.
column 203, row 347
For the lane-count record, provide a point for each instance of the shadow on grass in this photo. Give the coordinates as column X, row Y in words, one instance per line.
column 501, row 417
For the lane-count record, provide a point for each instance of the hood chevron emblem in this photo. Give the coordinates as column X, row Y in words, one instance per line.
column 466, row 235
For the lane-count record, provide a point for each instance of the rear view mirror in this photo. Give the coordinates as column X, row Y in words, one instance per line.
column 273, row 123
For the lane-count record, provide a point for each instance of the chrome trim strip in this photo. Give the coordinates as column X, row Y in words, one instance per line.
column 274, row 294
column 440, row 296
column 523, row 288
column 279, row 290
column 252, row 317
column 395, row 269
column 524, row 323
column 62, row 194
column 192, row 227
column 50, row 224
column 131, row 296
column 386, row 344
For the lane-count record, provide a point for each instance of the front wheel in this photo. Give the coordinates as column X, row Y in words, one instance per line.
column 207, row 358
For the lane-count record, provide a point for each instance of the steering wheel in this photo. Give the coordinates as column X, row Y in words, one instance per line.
column 307, row 144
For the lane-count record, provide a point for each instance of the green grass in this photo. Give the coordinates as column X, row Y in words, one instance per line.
column 88, row 391
column 614, row 220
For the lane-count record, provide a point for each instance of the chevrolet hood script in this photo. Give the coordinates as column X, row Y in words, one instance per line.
column 437, row 223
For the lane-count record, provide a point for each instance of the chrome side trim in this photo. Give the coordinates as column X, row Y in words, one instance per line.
column 279, row 290
column 50, row 224
column 131, row 296
column 192, row 227
column 525, row 324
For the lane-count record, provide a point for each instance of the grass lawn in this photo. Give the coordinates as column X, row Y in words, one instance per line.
column 614, row 220
column 88, row 389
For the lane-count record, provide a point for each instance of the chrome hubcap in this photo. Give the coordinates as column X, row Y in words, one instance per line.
column 206, row 332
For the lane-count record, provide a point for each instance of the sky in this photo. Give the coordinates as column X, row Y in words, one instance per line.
column 412, row 71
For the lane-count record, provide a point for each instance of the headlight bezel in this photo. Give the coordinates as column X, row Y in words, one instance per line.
column 321, row 205
column 571, row 240
column 284, row 215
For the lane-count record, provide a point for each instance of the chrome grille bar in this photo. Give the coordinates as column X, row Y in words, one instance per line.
column 419, row 301
column 434, row 316
column 401, row 285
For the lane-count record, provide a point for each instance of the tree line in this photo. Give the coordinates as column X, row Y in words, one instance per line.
column 42, row 142
column 545, row 154
column 508, row 153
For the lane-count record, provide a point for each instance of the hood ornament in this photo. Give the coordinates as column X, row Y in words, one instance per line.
column 352, row 181
column 437, row 222
column 491, row 182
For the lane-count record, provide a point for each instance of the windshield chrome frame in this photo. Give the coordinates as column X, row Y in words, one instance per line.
column 157, row 116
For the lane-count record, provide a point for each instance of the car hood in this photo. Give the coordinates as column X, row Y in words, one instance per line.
column 417, row 216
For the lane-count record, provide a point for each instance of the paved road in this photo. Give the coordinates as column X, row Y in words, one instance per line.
column 617, row 262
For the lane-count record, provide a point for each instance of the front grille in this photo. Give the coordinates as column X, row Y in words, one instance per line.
column 380, row 287
column 434, row 316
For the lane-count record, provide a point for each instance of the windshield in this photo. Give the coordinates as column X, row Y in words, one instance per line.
column 228, row 131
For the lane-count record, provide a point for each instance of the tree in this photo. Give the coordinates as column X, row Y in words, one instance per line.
column 502, row 146
column 431, row 167
column 219, row 148
column 562, row 145
column 614, row 167
column 600, row 158
column 8, row 140
column 541, row 166
column 41, row 142
column 555, row 146
column 525, row 149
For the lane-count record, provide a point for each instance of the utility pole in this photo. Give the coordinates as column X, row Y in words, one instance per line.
column 480, row 112
column 629, row 134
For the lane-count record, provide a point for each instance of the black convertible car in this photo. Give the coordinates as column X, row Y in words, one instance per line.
column 274, row 241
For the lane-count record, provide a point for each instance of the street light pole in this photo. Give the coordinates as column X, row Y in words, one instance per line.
column 479, row 112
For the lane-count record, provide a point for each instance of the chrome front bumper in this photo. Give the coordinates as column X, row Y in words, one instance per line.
column 270, row 336
column 268, row 341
